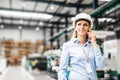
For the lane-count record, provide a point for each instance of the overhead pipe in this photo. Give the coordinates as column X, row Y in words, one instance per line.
column 106, row 7
column 60, row 33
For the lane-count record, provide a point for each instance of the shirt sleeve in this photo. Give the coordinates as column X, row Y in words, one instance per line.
column 99, row 58
column 64, row 62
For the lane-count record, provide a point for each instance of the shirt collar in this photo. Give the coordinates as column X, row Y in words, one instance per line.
column 75, row 41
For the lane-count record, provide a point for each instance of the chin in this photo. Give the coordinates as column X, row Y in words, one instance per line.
column 82, row 33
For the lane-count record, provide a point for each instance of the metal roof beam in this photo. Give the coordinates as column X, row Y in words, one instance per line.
column 46, row 22
column 9, row 25
column 63, row 3
column 54, row 14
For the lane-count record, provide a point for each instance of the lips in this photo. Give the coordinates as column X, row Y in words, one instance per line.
column 82, row 30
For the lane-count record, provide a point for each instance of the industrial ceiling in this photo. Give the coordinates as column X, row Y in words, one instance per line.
column 30, row 13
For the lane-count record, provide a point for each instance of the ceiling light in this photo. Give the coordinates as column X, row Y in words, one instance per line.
column 21, row 21
column 41, row 23
column 20, row 27
column 52, row 7
column 25, row 15
column 23, row 5
column 37, row 28
column 2, row 26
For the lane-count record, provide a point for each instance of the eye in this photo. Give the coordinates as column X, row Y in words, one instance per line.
column 86, row 25
column 79, row 24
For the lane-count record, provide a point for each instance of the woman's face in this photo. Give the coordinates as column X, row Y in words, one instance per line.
column 82, row 27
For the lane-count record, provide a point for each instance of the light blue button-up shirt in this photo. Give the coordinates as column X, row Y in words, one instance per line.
column 74, row 56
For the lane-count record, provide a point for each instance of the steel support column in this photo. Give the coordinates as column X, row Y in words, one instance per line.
column 95, row 5
column 58, row 41
column 66, row 26
column 44, row 34
column 77, row 10
column 51, row 35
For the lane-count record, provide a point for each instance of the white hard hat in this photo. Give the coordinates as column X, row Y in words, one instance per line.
column 83, row 16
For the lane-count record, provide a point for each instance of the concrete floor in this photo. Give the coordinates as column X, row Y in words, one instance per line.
column 20, row 73
column 42, row 75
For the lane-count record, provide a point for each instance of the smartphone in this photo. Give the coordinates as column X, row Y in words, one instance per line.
column 89, row 37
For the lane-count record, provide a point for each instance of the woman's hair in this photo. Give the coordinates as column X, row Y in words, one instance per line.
column 74, row 35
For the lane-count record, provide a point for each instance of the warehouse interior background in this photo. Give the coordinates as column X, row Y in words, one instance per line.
column 32, row 33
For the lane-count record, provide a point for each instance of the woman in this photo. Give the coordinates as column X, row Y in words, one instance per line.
column 81, row 53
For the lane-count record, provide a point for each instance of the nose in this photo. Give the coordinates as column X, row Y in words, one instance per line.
column 81, row 26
